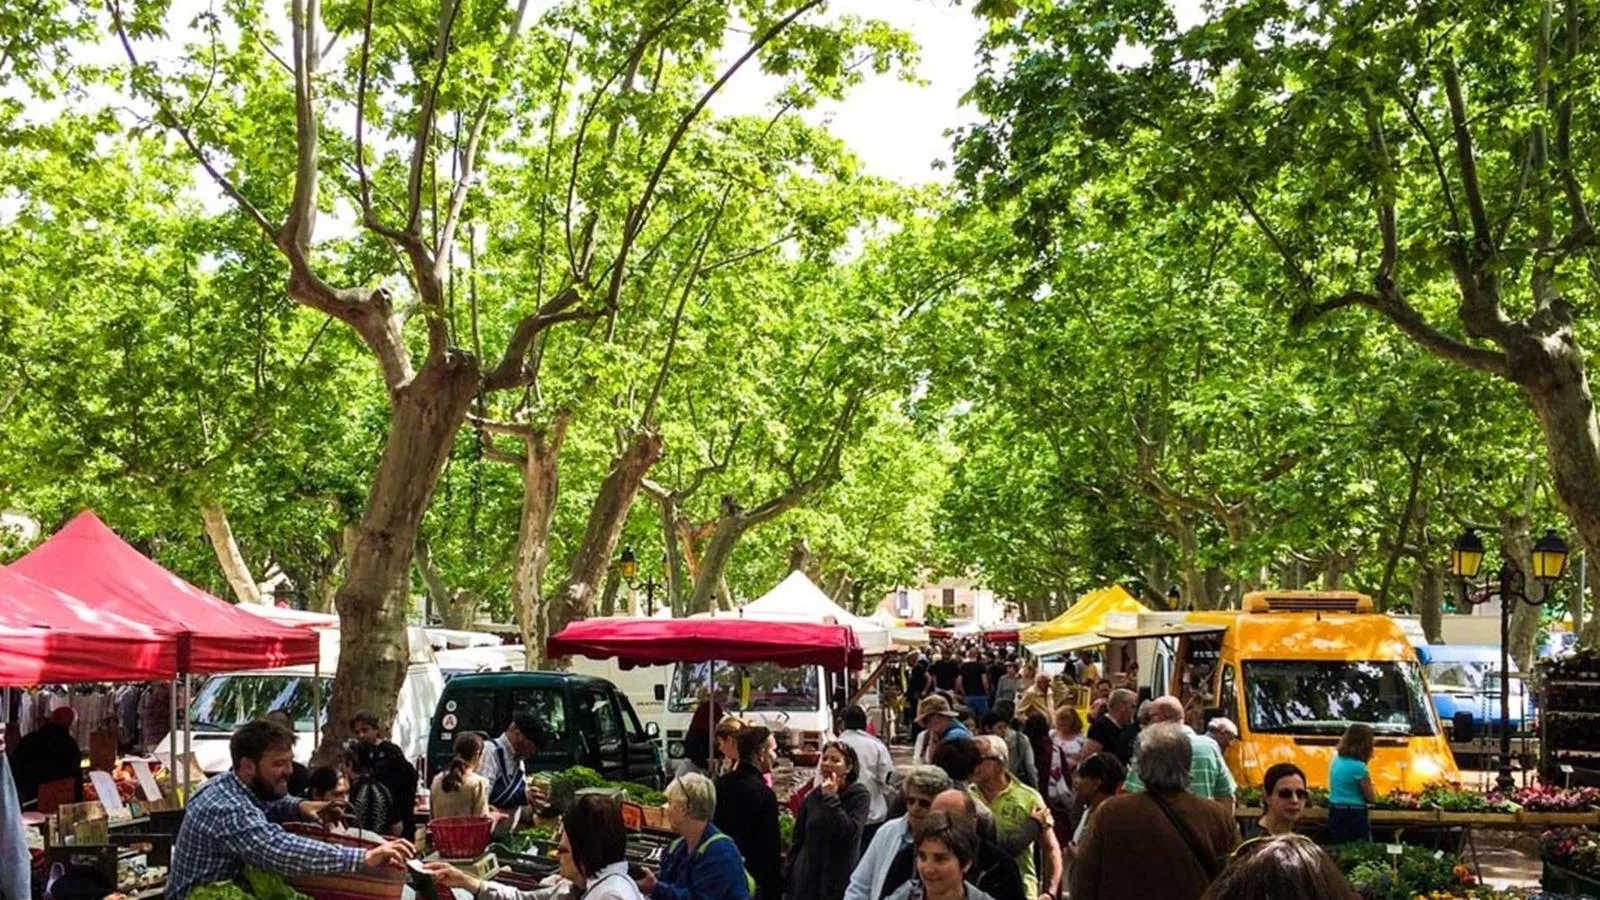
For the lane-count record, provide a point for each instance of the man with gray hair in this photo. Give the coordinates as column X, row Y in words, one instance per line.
column 1223, row 731
column 1115, row 731
column 1021, row 818
column 1164, row 842
column 1208, row 774
column 920, row 785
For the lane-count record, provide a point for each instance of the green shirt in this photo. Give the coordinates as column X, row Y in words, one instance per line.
column 1011, row 809
column 1208, row 774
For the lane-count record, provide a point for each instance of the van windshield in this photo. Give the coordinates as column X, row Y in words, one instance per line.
column 224, row 702
column 771, row 687
column 1305, row 697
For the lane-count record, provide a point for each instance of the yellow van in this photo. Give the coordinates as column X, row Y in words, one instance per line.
column 1293, row 668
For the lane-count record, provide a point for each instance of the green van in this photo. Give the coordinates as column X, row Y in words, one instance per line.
column 587, row 722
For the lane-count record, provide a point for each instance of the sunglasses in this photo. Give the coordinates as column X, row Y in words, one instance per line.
column 1290, row 794
column 918, row 802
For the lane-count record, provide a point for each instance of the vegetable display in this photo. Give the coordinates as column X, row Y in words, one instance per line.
column 1443, row 798
column 258, row 885
column 1548, row 798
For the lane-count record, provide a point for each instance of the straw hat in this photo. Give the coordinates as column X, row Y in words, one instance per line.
column 933, row 706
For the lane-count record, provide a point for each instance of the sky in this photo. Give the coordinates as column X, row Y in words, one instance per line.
column 897, row 128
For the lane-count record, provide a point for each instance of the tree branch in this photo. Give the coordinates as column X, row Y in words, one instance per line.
column 1466, row 159
column 509, row 373
column 301, row 221
column 1417, row 328
column 430, row 99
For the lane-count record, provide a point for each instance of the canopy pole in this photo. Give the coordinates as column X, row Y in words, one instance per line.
column 188, row 732
column 172, row 730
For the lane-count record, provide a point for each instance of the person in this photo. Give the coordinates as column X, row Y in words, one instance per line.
column 921, row 786
column 155, row 715
column 459, row 791
column 1066, row 746
column 747, row 810
column 876, row 768
column 918, row 683
column 959, row 758
column 1284, row 794
column 972, row 683
column 946, row 849
column 300, row 775
column 1115, row 730
column 592, row 854
column 231, row 822
column 727, row 738
column 1018, row 750
column 1008, row 685
column 372, row 805
column 1280, row 866
column 701, row 863
column 995, row 669
column 1096, row 780
column 1208, row 774
column 48, row 753
column 937, row 716
column 1350, row 790
column 502, row 765
column 1222, row 730
column 327, row 783
column 1021, row 818
column 827, row 831
column 389, row 767
column 994, row 871
column 1164, row 842
column 945, row 670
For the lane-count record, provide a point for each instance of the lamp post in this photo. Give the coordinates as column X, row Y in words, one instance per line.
column 1549, row 562
column 628, row 568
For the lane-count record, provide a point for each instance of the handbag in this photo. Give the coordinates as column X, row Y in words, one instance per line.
column 1208, row 863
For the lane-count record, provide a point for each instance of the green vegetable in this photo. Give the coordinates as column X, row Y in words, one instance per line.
column 270, row 886
column 222, row 890
column 785, row 830
column 638, row 793
column 585, row 777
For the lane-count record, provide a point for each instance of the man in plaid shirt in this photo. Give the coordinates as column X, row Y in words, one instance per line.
column 230, row 822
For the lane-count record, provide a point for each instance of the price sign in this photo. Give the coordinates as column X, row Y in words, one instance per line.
column 1566, row 770
column 107, row 789
column 147, row 781
column 1394, row 849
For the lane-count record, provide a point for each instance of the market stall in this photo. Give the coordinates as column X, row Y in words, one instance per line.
column 797, row 599
column 1080, row 627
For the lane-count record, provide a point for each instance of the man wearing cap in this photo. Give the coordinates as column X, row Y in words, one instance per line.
column 502, row 764
column 939, row 718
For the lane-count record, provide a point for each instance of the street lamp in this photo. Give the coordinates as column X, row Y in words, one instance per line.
column 1174, row 598
column 1549, row 563
column 628, row 568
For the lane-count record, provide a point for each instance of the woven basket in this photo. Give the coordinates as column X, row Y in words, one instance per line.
column 461, row 837
column 387, row 885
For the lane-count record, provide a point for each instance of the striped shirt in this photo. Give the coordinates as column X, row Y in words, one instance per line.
column 1208, row 774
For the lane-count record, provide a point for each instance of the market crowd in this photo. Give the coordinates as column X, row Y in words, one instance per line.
column 993, row 807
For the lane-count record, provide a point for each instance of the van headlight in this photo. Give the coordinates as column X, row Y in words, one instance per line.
column 675, row 749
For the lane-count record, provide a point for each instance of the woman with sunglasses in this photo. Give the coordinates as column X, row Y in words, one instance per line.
column 1284, row 795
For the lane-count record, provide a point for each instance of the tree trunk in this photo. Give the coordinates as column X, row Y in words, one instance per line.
column 575, row 599
column 1554, row 380
column 457, row 607
column 1590, row 635
column 1428, row 595
column 609, row 594
column 1401, row 531
column 540, row 487
column 1518, row 545
column 725, row 600
column 234, row 567
column 372, row 603
column 714, row 559
column 800, row 556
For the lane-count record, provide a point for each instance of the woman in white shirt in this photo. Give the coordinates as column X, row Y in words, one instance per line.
column 592, row 854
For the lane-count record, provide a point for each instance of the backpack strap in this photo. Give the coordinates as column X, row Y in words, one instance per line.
column 719, row 836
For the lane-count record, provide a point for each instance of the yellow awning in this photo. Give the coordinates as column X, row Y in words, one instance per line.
column 1087, row 616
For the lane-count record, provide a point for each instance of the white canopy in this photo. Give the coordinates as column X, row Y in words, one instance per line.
column 796, row 599
column 899, row 632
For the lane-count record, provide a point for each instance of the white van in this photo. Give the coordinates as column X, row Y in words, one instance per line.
column 222, row 703
column 793, row 703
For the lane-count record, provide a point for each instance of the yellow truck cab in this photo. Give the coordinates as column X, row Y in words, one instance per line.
column 1293, row 668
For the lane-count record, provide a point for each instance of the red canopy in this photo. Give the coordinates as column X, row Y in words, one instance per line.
column 88, row 560
column 651, row 642
column 48, row 637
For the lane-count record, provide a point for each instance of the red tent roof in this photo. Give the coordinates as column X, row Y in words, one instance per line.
column 650, row 642
column 49, row 637
column 88, row 560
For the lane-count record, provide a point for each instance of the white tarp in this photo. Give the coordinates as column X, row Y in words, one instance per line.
column 796, row 599
column 899, row 632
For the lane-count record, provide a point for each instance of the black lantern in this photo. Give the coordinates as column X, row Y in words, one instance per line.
column 1549, row 557
column 628, row 565
column 1466, row 555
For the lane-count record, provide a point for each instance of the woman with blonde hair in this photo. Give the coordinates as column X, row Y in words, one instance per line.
column 1350, row 790
column 726, row 738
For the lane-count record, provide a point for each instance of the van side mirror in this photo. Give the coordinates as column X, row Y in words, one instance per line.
column 652, row 730
column 1462, row 727
column 661, row 692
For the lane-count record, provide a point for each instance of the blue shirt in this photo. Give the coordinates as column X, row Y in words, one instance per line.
column 956, row 730
column 714, row 870
column 503, row 771
column 226, row 828
column 1344, row 782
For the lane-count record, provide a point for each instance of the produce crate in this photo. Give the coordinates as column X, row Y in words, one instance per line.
column 1403, row 816
column 655, row 817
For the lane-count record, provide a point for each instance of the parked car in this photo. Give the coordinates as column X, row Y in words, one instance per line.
column 1465, row 678
column 586, row 722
